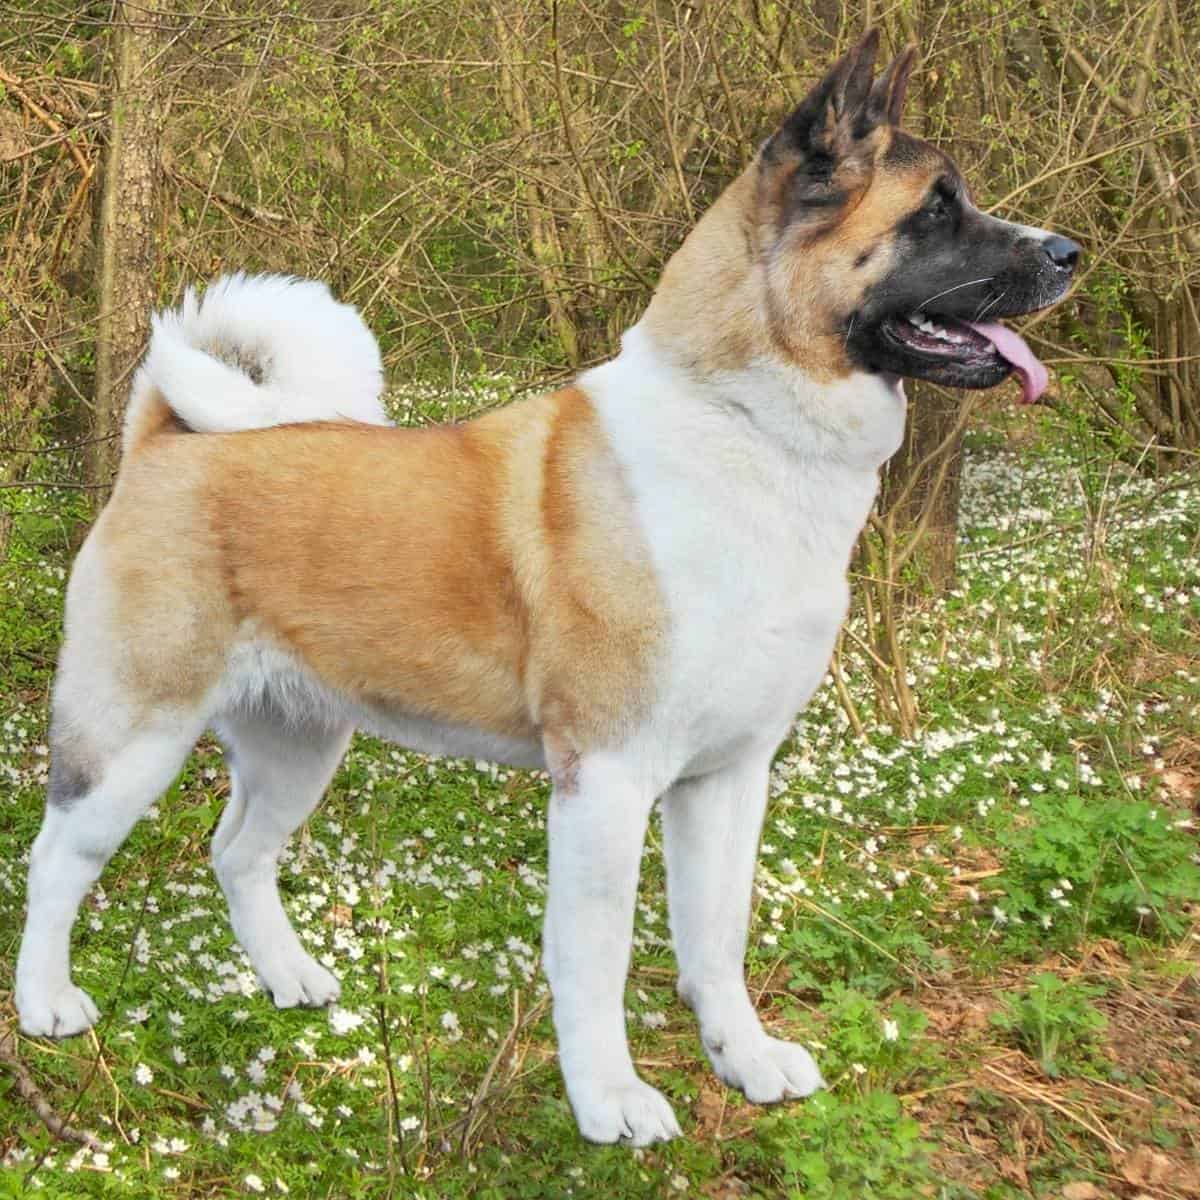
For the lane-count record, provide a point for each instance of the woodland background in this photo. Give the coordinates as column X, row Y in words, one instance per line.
column 497, row 184
column 979, row 893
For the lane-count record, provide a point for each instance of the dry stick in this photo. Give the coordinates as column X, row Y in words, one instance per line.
column 735, row 116
column 395, row 1143
column 966, row 411
column 265, row 215
column 29, row 1091
column 1074, row 164
column 820, row 910
column 14, row 85
column 46, row 348
column 477, row 1101
column 76, row 202
column 668, row 123
column 1135, row 106
column 843, row 692
column 17, row 219
column 243, row 109
column 60, row 484
column 1097, row 1130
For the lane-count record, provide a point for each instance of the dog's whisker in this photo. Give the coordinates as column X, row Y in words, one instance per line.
column 990, row 305
column 955, row 288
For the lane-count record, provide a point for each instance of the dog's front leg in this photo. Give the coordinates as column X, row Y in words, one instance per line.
column 597, row 825
column 711, row 827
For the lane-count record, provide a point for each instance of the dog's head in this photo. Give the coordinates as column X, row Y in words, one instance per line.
column 873, row 256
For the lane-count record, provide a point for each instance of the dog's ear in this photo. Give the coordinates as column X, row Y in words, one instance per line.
column 845, row 107
column 827, row 113
column 885, row 104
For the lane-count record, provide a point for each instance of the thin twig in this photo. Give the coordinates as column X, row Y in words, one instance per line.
column 29, row 1091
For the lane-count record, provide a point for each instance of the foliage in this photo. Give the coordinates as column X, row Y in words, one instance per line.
column 862, row 1148
column 868, row 1044
column 1102, row 864
column 1054, row 1020
column 884, row 864
column 499, row 184
column 496, row 186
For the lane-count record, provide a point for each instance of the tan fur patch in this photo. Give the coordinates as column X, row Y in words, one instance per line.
column 588, row 578
column 157, row 596
column 490, row 574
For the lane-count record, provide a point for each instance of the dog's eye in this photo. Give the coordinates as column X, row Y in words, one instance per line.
column 937, row 206
column 941, row 203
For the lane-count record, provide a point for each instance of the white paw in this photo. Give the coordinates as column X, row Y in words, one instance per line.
column 298, row 982
column 59, row 1014
column 631, row 1112
column 766, row 1069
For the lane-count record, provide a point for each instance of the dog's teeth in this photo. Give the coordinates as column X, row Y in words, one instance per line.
column 927, row 326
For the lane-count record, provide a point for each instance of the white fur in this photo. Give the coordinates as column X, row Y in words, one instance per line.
column 68, row 855
column 316, row 359
column 750, row 491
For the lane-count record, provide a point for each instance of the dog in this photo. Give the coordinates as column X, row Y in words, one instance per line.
column 634, row 582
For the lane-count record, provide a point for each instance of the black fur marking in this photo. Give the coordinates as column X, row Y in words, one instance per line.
column 955, row 263
column 69, row 780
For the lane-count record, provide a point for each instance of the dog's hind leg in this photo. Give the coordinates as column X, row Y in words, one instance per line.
column 280, row 771
column 93, row 802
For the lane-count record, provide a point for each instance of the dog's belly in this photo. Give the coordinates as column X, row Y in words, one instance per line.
column 429, row 736
column 263, row 679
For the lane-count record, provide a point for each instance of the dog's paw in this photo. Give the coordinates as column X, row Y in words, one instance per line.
column 631, row 1112
column 299, row 982
column 765, row 1069
column 58, row 1014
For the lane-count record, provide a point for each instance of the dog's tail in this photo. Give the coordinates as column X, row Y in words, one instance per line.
column 257, row 350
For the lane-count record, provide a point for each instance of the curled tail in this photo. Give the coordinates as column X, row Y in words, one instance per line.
column 256, row 350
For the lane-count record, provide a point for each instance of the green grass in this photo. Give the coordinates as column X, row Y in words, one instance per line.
column 986, row 933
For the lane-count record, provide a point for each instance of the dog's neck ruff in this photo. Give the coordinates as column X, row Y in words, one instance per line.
column 856, row 422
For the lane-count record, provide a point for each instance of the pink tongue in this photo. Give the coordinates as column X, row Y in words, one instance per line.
column 1012, row 347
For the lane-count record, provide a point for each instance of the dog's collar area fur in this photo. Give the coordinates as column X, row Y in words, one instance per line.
column 857, row 420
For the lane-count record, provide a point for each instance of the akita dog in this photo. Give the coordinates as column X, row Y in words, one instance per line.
column 634, row 582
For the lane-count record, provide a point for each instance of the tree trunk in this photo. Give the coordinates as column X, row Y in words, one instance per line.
column 922, row 484
column 547, row 250
column 126, row 242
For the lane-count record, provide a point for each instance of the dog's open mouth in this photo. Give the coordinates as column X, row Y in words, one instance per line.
column 968, row 350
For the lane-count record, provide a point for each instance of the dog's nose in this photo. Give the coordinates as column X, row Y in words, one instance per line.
column 1063, row 252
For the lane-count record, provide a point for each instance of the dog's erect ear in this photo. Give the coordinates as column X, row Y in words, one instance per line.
column 886, row 101
column 846, row 106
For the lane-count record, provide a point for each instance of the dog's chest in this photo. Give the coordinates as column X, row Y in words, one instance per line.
column 753, row 570
column 751, row 491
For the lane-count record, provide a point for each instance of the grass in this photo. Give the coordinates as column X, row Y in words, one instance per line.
column 987, row 933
